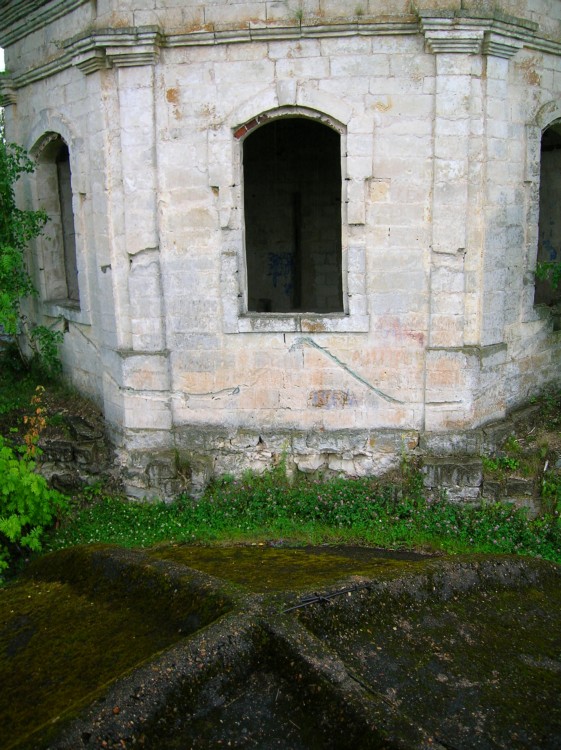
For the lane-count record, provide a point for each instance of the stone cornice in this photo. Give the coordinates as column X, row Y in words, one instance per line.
column 459, row 31
column 544, row 45
column 22, row 17
column 118, row 48
column 489, row 34
column 100, row 49
column 277, row 32
column 482, row 33
column 38, row 74
column 7, row 91
column 125, row 47
column 499, row 45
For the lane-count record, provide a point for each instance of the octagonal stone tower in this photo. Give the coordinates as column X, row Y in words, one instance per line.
column 302, row 229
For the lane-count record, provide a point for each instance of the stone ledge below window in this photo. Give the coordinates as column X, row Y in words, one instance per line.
column 302, row 323
column 67, row 309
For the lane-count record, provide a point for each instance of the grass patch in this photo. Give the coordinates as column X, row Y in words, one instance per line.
column 358, row 511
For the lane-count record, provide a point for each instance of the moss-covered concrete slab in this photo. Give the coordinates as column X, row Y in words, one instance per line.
column 185, row 647
column 261, row 568
column 82, row 618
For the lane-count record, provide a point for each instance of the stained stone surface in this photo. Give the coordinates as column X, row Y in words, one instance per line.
column 280, row 647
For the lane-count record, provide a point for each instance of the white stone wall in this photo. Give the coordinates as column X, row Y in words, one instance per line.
column 440, row 118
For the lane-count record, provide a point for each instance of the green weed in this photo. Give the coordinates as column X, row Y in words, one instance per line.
column 511, row 445
column 551, row 493
column 340, row 510
column 500, row 463
column 550, row 402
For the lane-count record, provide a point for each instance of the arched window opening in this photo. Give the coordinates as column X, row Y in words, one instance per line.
column 292, row 209
column 549, row 227
column 67, row 222
column 59, row 264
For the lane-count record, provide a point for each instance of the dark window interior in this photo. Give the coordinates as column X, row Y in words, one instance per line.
column 292, row 204
column 549, row 232
column 67, row 221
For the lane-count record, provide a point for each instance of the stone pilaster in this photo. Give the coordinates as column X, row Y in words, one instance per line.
column 136, row 371
column 468, row 264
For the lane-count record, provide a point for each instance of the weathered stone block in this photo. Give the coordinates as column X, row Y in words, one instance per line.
column 460, row 478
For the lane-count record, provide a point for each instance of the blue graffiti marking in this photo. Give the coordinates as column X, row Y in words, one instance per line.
column 281, row 269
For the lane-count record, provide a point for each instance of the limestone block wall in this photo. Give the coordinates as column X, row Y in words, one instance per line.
column 438, row 116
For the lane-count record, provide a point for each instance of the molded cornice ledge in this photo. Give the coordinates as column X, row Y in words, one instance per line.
column 120, row 48
column 22, row 17
column 489, row 34
column 7, row 91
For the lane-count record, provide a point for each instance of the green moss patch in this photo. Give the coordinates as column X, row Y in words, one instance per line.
column 80, row 620
column 267, row 569
column 59, row 649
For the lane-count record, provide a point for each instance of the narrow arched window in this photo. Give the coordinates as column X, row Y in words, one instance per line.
column 67, row 222
column 549, row 227
column 292, row 211
column 54, row 188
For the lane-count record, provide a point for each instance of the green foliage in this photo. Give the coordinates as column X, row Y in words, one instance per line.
column 269, row 506
column 551, row 493
column 511, row 445
column 500, row 463
column 45, row 342
column 17, row 228
column 16, row 383
column 27, row 505
column 549, row 270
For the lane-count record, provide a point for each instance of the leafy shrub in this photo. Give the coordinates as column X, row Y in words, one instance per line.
column 27, row 506
column 34, row 422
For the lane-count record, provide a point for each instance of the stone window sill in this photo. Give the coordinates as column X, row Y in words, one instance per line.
column 301, row 323
column 67, row 309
